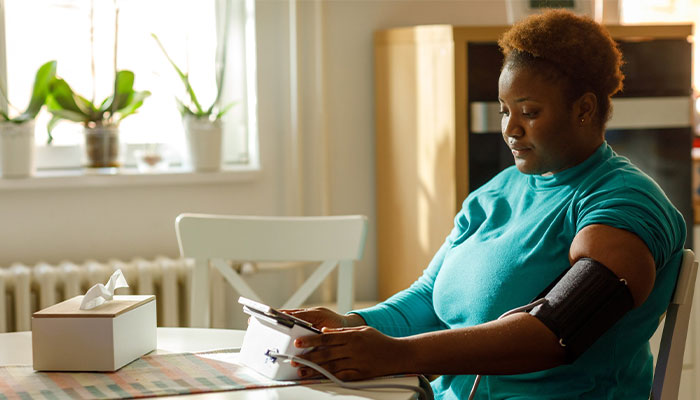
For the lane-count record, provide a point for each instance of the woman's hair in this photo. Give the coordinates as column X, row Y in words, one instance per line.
column 569, row 48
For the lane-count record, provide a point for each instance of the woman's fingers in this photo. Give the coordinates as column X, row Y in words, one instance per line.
column 348, row 375
column 308, row 372
column 318, row 316
column 332, row 350
column 338, row 368
column 330, row 337
column 355, row 353
column 291, row 310
column 326, row 354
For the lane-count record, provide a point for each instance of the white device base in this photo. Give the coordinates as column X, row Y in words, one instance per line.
column 263, row 336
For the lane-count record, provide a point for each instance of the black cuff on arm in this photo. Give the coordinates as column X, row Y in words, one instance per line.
column 583, row 305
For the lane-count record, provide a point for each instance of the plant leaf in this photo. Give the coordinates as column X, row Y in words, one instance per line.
column 202, row 114
column 4, row 96
column 69, row 115
column 123, row 91
column 44, row 75
column 134, row 103
column 62, row 98
column 49, row 127
column 184, row 77
column 103, row 106
column 190, row 91
column 89, row 109
column 106, row 104
column 225, row 109
column 211, row 108
column 24, row 117
column 184, row 110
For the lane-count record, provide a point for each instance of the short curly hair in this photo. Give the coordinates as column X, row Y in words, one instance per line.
column 568, row 46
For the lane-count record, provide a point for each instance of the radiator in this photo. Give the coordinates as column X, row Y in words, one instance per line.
column 26, row 289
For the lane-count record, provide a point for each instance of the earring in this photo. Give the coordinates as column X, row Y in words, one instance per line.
column 583, row 120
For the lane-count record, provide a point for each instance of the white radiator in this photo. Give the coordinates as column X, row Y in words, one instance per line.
column 26, row 289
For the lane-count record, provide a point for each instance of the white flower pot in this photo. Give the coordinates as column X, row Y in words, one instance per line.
column 17, row 149
column 203, row 143
column 102, row 147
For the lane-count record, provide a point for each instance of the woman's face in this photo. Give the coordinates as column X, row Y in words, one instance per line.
column 539, row 125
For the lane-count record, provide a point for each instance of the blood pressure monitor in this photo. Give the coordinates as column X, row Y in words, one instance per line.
column 271, row 331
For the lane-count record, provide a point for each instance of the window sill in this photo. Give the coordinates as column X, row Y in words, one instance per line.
column 116, row 177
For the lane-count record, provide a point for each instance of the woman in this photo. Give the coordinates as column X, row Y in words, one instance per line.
column 570, row 206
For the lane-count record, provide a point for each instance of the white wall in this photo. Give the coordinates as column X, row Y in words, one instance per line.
column 334, row 131
column 348, row 27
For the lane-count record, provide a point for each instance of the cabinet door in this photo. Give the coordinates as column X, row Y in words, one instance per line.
column 488, row 154
column 415, row 153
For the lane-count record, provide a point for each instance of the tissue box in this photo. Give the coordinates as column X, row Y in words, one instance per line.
column 105, row 338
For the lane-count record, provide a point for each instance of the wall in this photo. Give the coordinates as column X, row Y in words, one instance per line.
column 349, row 90
column 316, row 142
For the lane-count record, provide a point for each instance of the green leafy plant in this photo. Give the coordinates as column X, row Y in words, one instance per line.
column 44, row 76
column 64, row 104
column 194, row 108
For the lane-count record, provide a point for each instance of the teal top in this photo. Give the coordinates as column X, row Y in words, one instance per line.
column 510, row 241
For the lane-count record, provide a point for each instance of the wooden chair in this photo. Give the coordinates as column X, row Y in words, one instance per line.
column 213, row 239
column 669, row 363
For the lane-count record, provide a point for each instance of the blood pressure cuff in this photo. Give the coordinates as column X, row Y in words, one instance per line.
column 587, row 300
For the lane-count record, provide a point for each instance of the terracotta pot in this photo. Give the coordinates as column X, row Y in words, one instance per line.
column 204, row 147
column 102, row 147
column 17, row 149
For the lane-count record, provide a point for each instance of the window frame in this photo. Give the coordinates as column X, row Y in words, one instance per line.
column 54, row 161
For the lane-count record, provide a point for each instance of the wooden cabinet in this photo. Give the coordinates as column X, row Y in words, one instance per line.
column 433, row 83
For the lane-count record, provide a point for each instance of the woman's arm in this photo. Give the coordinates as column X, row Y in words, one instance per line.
column 623, row 252
column 516, row 344
column 519, row 343
column 322, row 317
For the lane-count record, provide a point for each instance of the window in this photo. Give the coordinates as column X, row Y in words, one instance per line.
column 40, row 30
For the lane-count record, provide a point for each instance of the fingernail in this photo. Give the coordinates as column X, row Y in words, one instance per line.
column 297, row 343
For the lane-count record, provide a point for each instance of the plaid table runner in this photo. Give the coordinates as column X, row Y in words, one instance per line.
column 151, row 375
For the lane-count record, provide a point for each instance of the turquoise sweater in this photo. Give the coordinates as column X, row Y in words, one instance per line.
column 510, row 241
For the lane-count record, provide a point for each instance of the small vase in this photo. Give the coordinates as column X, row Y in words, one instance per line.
column 17, row 149
column 102, row 147
column 203, row 143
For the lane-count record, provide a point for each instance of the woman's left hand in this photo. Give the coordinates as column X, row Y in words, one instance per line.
column 353, row 353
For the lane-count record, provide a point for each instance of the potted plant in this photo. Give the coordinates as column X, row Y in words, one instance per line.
column 100, row 121
column 17, row 133
column 203, row 130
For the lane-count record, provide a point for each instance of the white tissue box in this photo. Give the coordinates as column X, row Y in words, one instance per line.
column 105, row 338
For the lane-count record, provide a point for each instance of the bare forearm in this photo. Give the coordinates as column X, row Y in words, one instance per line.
column 353, row 319
column 516, row 344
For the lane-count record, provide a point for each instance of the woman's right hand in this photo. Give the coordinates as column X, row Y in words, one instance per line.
column 321, row 317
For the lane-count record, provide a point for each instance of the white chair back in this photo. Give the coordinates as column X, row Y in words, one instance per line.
column 669, row 363
column 212, row 239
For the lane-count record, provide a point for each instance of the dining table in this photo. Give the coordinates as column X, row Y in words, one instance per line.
column 16, row 350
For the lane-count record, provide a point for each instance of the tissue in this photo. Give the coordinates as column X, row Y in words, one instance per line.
column 100, row 293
